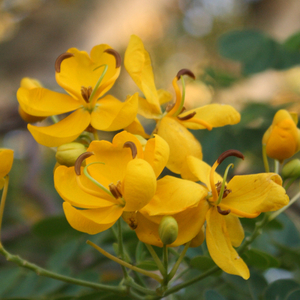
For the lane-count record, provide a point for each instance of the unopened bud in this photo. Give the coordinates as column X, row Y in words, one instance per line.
column 168, row 230
column 291, row 169
column 67, row 154
column 198, row 239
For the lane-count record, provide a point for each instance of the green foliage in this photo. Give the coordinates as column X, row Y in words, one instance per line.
column 258, row 52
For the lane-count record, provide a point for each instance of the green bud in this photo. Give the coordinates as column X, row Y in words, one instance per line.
column 168, row 230
column 68, row 153
column 291, row 169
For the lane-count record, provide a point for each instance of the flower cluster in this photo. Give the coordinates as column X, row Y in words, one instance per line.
column 102, row 181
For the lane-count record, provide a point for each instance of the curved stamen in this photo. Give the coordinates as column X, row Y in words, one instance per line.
column 223, row 212
column 132, row 146
column 92, row 101
column 238, row 212
column 116, row 55
column 187, row 117
column 115, row 190
column 79, row 161
column 185, row 72
column 228, row 153
column 221, row 193
column 59, row 60
column 197, row 121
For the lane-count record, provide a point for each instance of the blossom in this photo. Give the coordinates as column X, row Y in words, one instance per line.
column 119, row 177
column 282, row 139
column 86, row 79
column 6, row 161
column 244, row 196
column 173, row 124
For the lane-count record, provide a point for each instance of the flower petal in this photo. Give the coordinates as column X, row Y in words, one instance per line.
column 157, row 154
column 94, row 220
column 6, row 161
column 139, row 184
column 65, row 131
column 138, row 64
column 43, row 103
column 84, row 71
column 111, row 162
column 182, row 143
column 66, row 185
column 256, row 193
column 216, row 115
column 174, row 195
column 110, row 114
column 220, row 248
column 235, row 229
column 137, row 128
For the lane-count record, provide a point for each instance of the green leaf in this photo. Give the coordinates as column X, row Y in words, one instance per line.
column 213, row 295
column 53, row 227
column 202, row 263
column 9, row 277
column 260, row 259
column 294, row 295
column 279, row 289
column 257, row 284
column 149, row 265
column 140, row 252
column 293, row 42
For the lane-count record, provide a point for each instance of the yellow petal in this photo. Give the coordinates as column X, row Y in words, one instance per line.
column 198, row 170
column 6, row 161
column 235, row 229
column 92, row 221
column 256, row 193
column 139, row 184
column 42, row 102
column 110, row 114
column 84, row 71
column 121, row 138
column 137, row 128
column 182, row 143
column 174, row 195
column 220, row 248
column 111, row 162
column 30, row 83
column 164, row 96
column 66, row 185
column 138, row 64
column 147, row 227
column 157, row 154
column 148, row 110
column 65, row 131
column 216, row 115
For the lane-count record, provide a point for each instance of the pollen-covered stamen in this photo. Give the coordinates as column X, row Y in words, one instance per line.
column 115, row 189
column 223, row 212
column 60, row 59
column 116, row 55
column 228, row 153
column 79, row 161
column 86, row 93
column 185, row 72
column 226, row 191
column 169, row 106
column 132, row 146
column 187, row 117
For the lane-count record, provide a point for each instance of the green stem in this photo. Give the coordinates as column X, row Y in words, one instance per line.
column 155, row 257
column 165, row 257
column 276, row 166
column 121, row 290
column 3, row 200
column 278, row 212
column 178, row 262
column 265, row 159
column 125, row 264
column 291, row 181
column 120, row 247
column 139, row 288
column 95, row 133
column 55, row 119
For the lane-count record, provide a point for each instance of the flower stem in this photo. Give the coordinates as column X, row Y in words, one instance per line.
column 125, row 264
column 276, row 166
column 165, row 257
column 265, row 159
column 54, row 119
column 3, row 200
column 155, row 257
column 121, row 290
column 120, row 247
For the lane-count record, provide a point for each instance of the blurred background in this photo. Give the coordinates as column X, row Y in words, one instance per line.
column 178, row 34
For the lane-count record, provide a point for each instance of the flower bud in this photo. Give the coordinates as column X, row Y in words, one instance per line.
column 168, row 230
column 291, row 169
column 282, row 139
column 68, row 153
column 198, row 239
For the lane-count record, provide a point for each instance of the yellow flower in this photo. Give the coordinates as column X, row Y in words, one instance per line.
column 86, row 79
column 6, row 161
column 119, row 177
column 173, row 124
column 244, row 196
column 282, row 139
